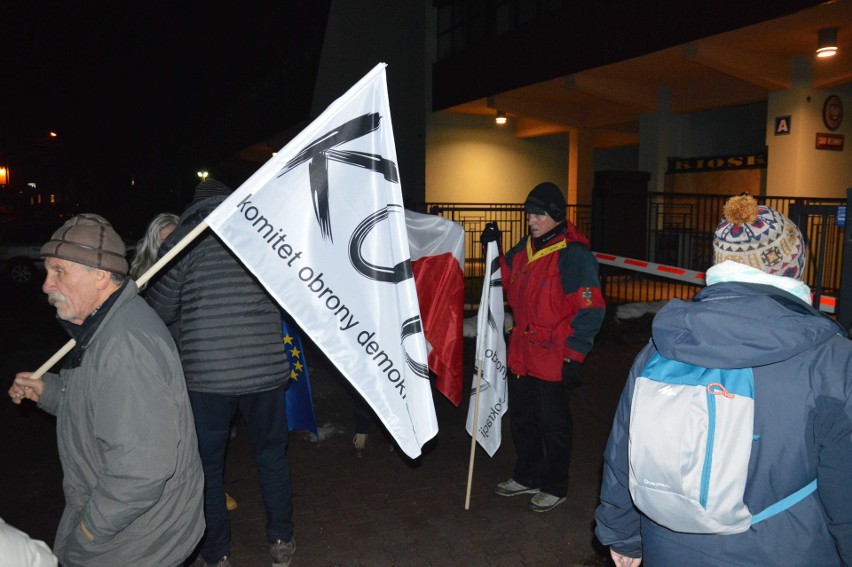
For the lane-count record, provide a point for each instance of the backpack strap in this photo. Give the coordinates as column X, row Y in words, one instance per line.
column 785, row 503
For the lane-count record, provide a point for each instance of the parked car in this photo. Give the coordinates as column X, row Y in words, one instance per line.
column 20, row 244
column 20, row 248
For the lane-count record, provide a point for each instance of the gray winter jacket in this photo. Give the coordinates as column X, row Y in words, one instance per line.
column 227, row 328
column 126, row 438
column 802, row 365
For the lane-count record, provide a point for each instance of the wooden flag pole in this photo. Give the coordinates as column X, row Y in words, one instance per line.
column 475, row 428
column 143, row 279
column 167, row 257
column 485, row 302
column 57, row 356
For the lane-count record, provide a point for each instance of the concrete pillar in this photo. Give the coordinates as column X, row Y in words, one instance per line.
column 358, row 36
column 795, row 167
column 581, row 167
column 657, row 130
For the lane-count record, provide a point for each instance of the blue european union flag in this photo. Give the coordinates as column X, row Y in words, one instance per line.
column 299, row 399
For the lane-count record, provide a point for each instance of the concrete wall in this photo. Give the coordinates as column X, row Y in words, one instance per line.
column 723, row 131
column 796, row 167
column 471, row 160
column 617, row 159
column 358, row 36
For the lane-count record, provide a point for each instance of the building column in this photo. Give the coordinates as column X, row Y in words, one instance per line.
column 795, row 167
column 656, row 132
column 581, row 166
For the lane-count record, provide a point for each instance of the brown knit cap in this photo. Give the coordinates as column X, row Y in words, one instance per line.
column 90, row 240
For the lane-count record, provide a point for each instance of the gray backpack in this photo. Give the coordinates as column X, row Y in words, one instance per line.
column 691, row 432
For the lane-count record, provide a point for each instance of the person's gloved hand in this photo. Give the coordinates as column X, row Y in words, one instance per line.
column 490, row 234
column 572, row 373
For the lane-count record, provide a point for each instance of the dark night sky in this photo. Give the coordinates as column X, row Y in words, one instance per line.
column 150, row 90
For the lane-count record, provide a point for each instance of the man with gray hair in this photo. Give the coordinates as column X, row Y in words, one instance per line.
column 132, row 475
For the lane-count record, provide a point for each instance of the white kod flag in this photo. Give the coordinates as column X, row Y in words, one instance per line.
column 322, row 226
column 491, row 354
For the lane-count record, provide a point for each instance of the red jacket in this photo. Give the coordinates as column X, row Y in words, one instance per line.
column 556, row 301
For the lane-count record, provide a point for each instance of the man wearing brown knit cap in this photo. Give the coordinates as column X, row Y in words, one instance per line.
column 132, row 475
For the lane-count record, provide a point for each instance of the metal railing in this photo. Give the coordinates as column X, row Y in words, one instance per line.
column 679, row 233
column 510, row 218
column 681, row 226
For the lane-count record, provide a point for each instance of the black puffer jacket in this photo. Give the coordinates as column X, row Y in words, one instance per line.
column 227, row 328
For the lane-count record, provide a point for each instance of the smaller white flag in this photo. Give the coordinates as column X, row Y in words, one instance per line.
column 491, row 355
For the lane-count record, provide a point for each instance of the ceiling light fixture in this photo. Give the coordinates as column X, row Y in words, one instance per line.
column 827, row 44
column 500, row 119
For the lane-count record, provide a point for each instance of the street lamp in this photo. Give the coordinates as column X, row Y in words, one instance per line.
column 202, row 175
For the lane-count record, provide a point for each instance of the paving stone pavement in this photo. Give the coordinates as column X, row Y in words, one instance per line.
column 383, row 509
column 379, row 509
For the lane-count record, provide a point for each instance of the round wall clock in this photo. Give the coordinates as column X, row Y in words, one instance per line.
column 832, row 112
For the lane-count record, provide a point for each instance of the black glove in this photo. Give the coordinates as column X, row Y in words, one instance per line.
column 490, row 234
column 572, row 373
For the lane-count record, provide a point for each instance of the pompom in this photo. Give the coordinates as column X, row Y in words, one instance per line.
column 740, row 210
column 760, row 237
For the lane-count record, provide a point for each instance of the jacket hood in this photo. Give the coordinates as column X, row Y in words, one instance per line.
column 739, row 325
column 194, row 214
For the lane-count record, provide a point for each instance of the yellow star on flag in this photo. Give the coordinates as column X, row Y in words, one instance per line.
column 300, row 410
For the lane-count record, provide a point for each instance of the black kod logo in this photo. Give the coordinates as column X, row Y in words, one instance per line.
column 325, row 148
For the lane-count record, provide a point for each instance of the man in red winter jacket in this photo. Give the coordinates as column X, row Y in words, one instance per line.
column 550, row 279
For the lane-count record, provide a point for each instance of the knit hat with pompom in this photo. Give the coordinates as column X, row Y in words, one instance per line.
column 760, row 237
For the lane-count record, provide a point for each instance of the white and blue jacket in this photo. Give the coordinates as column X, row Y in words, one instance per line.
column 802, row 367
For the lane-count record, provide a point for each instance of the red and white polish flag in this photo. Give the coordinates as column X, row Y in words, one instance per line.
column 436, row 246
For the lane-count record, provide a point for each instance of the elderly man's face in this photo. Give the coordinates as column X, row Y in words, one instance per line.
column 72, row 288
column 540, row 224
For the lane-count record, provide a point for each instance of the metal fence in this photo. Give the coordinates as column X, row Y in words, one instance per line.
column 679, row 233
column 681, row 226
column 510, row 218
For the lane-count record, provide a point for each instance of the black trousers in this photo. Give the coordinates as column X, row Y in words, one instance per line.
column 266, row 423
column 542, row 429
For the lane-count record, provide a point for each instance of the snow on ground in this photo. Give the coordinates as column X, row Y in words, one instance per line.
column 636, row 310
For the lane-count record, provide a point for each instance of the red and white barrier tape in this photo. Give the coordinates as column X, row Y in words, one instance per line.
column 826, row 303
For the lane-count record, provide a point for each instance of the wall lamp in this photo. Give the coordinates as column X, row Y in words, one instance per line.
column 827, row 44
column 500, row 119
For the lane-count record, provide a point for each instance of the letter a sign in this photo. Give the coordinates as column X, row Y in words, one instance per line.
column 782, row 125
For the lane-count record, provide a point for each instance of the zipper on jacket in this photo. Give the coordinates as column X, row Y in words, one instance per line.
column 708, row 453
